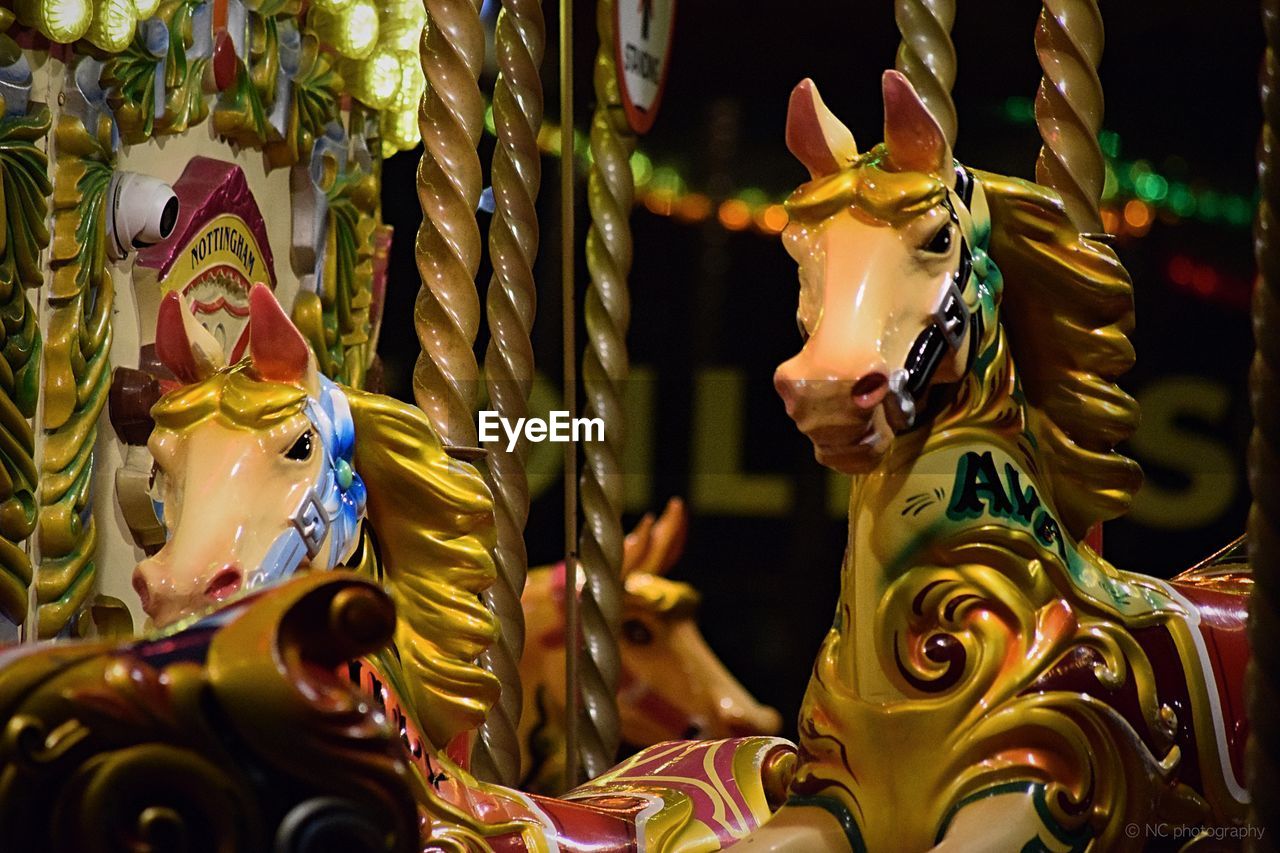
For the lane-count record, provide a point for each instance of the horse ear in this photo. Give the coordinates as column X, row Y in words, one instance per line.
column 636, row 546
column 814, row 135
column 183, row 345
column 279, row 352
column 912, row 135
column 669, row 536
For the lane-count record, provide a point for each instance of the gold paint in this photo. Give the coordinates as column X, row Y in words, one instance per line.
column 76, row 375
column 315, row 91
column 104, row 750
column 336, row 321
column 945, row 626
column 23, row 236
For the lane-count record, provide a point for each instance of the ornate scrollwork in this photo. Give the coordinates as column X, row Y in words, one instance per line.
column 76, row 368
column 131, row 77
column 215, row 747
column 24, row 190
column 336, row 320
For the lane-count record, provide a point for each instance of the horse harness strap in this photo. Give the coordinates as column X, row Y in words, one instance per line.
column 950, row 321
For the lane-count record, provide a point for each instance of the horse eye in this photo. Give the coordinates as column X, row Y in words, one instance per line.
column 940, row 243
column 301, row 449
column 637, row 632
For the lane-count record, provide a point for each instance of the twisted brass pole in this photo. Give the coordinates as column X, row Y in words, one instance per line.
column 927, row 57
column 1264, row 459
column 447, row 313
column 610, row 194
column 1069, row 107
column 520, row 38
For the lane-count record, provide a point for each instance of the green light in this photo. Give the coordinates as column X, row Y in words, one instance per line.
column 1181, row 199
column 1151, row 187
column 641, row 168
column 488, row 121
column 754, row 197
column 1019, row 110
column 1109, row 142
column 1238, row 210
column 1210, row 205
column 667, row 179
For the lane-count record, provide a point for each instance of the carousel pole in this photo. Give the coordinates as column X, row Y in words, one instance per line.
column 446, row 315
column 569, row 355
column 520, row 39
column 447, row 312
column 1264, row 459
column 610, row 194
column 1069, row 107
column 927, row 57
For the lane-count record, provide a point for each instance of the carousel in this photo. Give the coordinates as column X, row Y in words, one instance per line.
column 250, row 601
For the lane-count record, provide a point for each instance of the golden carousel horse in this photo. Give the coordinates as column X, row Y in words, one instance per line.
column 990, row 682
column 265, row 469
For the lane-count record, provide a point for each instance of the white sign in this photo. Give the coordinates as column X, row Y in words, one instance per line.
column 643, row 30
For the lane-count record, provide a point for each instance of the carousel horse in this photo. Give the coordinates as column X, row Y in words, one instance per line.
column 990, row 682
column 672, row 686
column 265, row 469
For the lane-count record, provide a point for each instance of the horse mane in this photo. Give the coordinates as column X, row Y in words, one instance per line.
column 431, row 520
column 1067, row 310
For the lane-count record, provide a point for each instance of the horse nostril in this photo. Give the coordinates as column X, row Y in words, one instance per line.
column 140, row 587
column 870, row 389
column 226, row 582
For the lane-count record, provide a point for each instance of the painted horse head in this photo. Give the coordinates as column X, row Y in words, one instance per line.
column 673, row 685
column 901, row 298
column 265, row 468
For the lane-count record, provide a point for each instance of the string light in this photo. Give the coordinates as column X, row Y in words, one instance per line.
column 1134, row 194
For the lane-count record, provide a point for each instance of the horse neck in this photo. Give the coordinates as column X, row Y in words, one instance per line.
column 886, row 531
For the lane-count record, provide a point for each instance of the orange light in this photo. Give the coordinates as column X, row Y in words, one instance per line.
column 772, row 219
column 734, row 214
column 659, row 202
column 1137, row 215
column 694, row 207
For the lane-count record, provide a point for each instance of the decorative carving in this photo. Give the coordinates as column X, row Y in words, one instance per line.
column 76, row 367
column 214, row 737
column 336, row 319
column 24, row 188
column 162, row 95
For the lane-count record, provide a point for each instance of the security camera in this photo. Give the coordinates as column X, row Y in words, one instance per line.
column 141, row 211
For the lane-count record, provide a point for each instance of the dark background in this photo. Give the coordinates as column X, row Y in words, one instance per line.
column 1180, row 80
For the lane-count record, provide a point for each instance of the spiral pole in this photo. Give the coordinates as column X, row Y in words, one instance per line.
column 1264, row 459
column 610, row 194
column 520, row 38
column 447, row 312
column 927, row 57
column 1069, row 105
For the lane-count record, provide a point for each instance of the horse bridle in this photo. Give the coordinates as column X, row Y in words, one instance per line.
column 315, row 519
column 946, row 331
